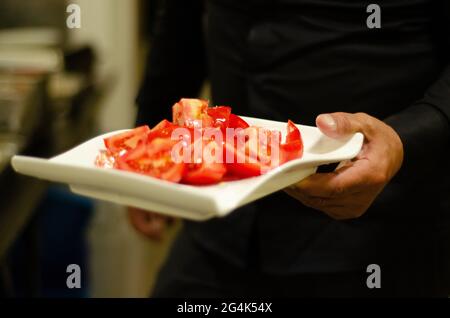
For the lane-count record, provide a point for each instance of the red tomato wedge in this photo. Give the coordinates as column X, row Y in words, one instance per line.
column 127, row 140
column 293, row 133
column 245, row 170
column 153, row 159
column 240, row 164
column 290, row 151
column 163, row 130
column 210, row 169
column 220, row 116
column 237, row 122
column 293, row 147
column 259, row 142
column 163, row 124
column 204, row 173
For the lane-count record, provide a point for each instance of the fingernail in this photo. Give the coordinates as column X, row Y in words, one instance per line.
column 329, row 121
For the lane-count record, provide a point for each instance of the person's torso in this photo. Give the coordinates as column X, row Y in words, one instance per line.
column 295, row 59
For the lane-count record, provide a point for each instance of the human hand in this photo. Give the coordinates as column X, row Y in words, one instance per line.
column 150, row 224
column 349, row 191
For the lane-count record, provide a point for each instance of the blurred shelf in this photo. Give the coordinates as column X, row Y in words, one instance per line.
column 41, row 114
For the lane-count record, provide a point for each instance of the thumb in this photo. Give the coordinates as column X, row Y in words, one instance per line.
column 338, row 125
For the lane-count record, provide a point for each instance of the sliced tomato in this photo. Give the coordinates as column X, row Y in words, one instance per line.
column 126, row 140
column 240, row 164
column 293, row 147
column 191, row 113
column 173, row 173
column 163, row 130
column 230, row 177
column 162, row 125
column 237, row 122
column 149, row 152
column 269, row 139
column 246, row 170
column 293, row 133
column 153, row 159
column 208, row 168
column 259, row 142
column 291, row 151
column 220, row 116
column 204, row 173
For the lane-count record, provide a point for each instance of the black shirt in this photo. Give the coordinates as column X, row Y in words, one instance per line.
column 295, row 59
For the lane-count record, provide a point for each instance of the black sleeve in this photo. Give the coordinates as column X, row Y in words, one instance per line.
column 176, row 65
column 425, row 126
column 425, row 132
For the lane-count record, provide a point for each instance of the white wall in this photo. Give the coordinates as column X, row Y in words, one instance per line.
column 122, row 262
column 111, row 27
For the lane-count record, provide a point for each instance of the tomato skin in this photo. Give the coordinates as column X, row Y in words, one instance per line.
column 237, row 122
column 245, row 170
column 163, row 130
column 204, row 174
column 126, row 140
column 209, row 170
column 293, row 147
column 293, row 133
column 241, row 165
column 220, row 116
column 259, row 143
column 162, row 124
column 291, row 151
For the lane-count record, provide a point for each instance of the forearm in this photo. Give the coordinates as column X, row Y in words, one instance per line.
column 424, row 129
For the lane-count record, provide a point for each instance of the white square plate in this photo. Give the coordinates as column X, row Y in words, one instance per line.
column 76, row 168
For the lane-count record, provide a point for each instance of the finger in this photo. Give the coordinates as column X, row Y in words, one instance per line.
column 155, row 228
column 293, row 192
column 339, row 209
column 149, row 224
column 340, row 125
column 149, row 216
column 346, row 180
column 137, row 219
column 328, row 206
column 344, row 164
